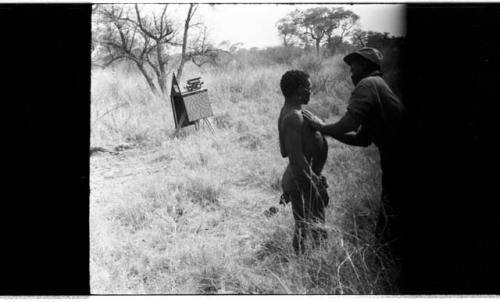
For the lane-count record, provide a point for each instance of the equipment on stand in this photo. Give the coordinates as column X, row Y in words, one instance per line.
column 190, row 106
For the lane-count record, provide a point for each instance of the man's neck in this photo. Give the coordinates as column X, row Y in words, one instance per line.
column 375, row 73
column 293, row 103
column 366, row 74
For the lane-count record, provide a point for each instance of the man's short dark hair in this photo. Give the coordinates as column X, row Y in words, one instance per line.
column 291, row 80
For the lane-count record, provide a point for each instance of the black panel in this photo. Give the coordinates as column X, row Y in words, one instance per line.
column 452, row 80
column 45, row 83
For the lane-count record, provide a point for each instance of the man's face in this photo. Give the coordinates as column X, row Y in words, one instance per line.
column 357, row 71
column 305, row 92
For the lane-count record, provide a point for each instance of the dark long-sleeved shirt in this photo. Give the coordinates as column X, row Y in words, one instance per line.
column 381, row 116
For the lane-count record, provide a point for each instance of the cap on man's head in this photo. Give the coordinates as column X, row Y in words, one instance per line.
column 369, row 53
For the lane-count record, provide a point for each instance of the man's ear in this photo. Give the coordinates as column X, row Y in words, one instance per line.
column 297, row 93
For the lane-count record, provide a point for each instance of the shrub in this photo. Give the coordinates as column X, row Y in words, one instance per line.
column 204, row 192
column 309, row 63
column 124, row 110
column 250, row 141
column 282, row 54
column 323, row 107
column 222, row 121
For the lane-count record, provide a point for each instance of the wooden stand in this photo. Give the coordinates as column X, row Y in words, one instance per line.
column 206, row 122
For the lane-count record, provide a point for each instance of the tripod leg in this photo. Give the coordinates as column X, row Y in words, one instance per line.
column 209, row 125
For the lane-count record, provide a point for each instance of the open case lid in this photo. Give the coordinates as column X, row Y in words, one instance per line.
column 178, row 107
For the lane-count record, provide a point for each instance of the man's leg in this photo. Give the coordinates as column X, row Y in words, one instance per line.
column 299, row 208
column 389, row 227
column 319, row 234
column 389, row 235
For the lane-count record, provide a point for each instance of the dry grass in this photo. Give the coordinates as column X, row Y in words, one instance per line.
column 184, row 214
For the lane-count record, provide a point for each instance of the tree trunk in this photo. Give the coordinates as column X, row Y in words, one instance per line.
column 162, row 79
column 147, row 77
column 317, row 46
column 184, row 42
column 183, row 56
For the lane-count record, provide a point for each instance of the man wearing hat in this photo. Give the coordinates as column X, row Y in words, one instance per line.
column 374, row 115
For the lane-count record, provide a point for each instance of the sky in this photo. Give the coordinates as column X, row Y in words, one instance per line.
column 255, row 24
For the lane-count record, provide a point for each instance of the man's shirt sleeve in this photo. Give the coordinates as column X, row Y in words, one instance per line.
column 361, row 101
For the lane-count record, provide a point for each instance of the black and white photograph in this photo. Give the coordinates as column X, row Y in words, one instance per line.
column 236, row 191
column 250, row 149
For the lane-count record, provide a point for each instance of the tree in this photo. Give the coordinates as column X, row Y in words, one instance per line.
column 161, row 31
column 191, row 11
column 316, row 23
column 379, row 40
column 342, row 26
column 125, row 33
column 129, row 35
column 202, row 52
column 359, row 38
column 322, row 25
column 288, row 31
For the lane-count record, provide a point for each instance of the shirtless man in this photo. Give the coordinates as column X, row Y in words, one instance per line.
column 307, row 151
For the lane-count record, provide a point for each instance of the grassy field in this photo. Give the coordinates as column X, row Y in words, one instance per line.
column 184, row 213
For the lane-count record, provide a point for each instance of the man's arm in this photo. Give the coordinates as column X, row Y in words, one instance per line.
column 353, row 140
column 359, row 139
column 339, row 130
column 360, row 105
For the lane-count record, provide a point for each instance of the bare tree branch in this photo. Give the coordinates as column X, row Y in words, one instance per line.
column 128, row 33
column 112, row 60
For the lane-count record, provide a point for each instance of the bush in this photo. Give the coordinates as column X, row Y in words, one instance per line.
column 309, row 63
column 123, row 110
column 282, row 54
column 324, row 107
column 222, row 121
column 204, row 192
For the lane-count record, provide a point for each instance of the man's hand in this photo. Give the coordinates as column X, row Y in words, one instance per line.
column 315, row 122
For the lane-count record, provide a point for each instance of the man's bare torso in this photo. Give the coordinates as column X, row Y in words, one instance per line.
column 314, row 145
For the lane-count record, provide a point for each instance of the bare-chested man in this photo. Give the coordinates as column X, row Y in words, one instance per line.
column 307, row 151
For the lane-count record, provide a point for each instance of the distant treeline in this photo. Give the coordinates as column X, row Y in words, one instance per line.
column 124, row 36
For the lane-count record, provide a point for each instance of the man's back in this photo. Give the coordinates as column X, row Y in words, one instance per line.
column 382, row 116
column 377, row 109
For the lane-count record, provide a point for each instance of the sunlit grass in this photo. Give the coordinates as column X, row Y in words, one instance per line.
column 184, row 214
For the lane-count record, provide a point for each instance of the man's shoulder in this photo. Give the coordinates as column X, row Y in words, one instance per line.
column 291, row 116
column 371, row 80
